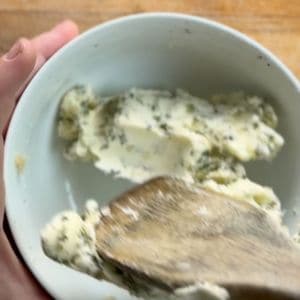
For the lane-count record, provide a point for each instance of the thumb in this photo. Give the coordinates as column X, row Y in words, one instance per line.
column 15, row 67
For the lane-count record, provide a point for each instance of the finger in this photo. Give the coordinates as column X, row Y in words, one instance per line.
column 2, row 194
column 15, row 67
column 49, row 42
column 16, row 281
column 40, row 48
column 40, row 60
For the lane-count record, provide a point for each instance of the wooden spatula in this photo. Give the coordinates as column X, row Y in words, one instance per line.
column 170, row 235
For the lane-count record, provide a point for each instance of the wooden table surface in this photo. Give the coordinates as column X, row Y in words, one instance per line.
column 274, row 23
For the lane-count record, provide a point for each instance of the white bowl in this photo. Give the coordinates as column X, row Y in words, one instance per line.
column 151, row 51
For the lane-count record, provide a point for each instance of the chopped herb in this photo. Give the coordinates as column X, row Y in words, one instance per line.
column 205, row 153
column 85, row 236
column 195, row 120
column 189, row 168
column 91, row 105
column 181, row 162
column 157, row 118
column 123, row 139
column 62, row 237
column 217, row 138
column 104, row 146
column 65, row 261
column 84, row 107
column 164, row 126
column 74, row 258
column 59, row 247
column 228, row 137
column 139, row 100
column 80, row 89
column 111, row 108
column 190, row 107
column 258, row 151
column 153, row 107
column 232, row 168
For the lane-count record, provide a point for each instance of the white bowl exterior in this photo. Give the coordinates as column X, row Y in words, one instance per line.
column 150, row 51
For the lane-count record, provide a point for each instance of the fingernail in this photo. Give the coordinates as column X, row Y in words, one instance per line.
column 14, row 51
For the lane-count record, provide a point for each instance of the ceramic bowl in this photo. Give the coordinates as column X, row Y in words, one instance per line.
column 157, row 50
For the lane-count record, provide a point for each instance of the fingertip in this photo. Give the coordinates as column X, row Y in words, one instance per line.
column 15, row 67
column 49, row 42
column 27, row 59
column 21, row 49
column 17, row 64
column 68, row 28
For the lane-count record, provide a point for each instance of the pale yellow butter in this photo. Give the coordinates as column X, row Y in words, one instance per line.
column 145, row 133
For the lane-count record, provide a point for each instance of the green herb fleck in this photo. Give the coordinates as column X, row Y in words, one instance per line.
column 139, row 100
column 157, row 118
column 190, row 107
column 164, row 126
column 154, row 106
column 111, row 108
column 85, row 236
column 59, row 247
column 62, row 237
column 123, row 139
column 228, row 137
column 271, row 137
column 104, row 146
column 74, row 258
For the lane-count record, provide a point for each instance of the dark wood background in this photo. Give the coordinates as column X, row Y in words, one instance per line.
column 274, row 23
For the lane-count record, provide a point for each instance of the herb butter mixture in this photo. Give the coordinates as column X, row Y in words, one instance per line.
column 145, row 133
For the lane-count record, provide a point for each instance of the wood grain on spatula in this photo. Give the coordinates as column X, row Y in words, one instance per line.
column 173, row 234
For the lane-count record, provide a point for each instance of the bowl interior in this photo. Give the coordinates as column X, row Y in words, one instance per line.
column 150, row 51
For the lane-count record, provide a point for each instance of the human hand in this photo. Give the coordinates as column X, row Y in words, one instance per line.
column 16, row 69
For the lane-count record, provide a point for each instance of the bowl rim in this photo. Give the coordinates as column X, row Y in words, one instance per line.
column 202, row 21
